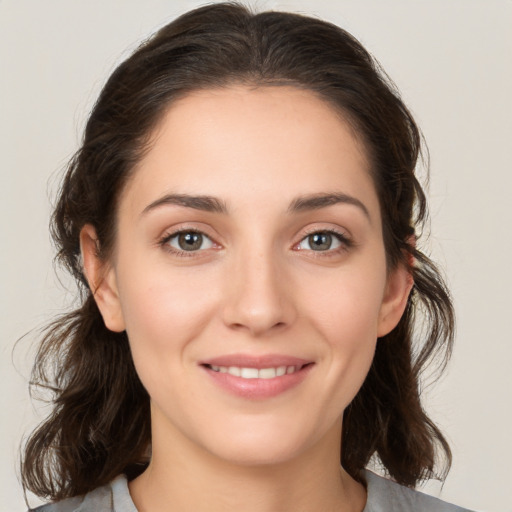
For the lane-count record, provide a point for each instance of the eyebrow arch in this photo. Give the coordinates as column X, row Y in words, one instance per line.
column 215, row 205
column 205, row 203
column 317, row 201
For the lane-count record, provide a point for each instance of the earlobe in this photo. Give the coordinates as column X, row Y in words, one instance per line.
column 102, row 280
column 398, row 288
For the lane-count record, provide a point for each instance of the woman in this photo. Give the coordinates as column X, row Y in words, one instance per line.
column 242, row 219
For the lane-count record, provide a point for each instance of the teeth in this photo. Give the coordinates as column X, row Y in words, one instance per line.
column 254, row 373
column 267, row 373
column 234, row 370
column 249, row 373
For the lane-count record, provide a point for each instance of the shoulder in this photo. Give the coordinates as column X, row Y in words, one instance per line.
column 113, row 497
column 387, row 496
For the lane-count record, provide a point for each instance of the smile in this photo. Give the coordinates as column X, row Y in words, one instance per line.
column 257, row 378
column 255, row 373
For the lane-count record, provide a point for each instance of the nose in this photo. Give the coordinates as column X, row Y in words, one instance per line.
column 258, row 298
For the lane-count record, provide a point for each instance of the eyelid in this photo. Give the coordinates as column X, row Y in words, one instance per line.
column 189, row 227
column 170, row 233
column 342, row 235
column 204, row 238
column 334, row 230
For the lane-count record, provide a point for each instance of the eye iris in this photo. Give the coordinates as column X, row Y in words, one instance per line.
column 320, row 241
column 190, row 241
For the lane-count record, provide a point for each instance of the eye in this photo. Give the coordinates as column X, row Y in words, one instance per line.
column 189, row 241
column 322, row 241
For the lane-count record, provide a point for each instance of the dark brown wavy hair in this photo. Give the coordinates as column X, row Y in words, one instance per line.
column 99, row 426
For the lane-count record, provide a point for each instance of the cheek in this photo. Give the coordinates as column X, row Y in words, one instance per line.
column 346, row 313
column 347, row 304
column 163, row 311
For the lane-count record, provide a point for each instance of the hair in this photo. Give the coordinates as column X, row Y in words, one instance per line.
column 99, row 426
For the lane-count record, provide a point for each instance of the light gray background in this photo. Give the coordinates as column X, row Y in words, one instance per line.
column 452, row 61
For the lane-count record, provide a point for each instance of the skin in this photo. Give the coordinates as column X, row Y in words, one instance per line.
column 257, row 285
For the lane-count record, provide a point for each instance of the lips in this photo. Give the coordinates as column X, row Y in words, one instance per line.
column 257, row 377
column 255, row 373
column 247, row 361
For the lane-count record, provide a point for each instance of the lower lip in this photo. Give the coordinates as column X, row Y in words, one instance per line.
column 258, row 389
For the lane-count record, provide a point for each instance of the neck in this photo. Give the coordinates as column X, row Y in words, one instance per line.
column 197, row 480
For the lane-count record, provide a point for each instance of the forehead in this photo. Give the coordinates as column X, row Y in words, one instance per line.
column 252, row 144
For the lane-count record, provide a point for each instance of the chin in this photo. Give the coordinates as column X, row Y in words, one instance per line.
column 262, row 444
column 245, row 454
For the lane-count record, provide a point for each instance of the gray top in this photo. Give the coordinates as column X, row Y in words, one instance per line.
column 383, row 496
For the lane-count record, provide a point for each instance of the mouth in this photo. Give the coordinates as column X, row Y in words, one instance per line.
column 257, row 373
column 257, row 377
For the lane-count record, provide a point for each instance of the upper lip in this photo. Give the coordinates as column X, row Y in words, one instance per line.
column 250, row 361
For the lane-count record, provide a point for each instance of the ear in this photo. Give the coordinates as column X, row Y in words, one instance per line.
column 102, row 280
column 398, row 287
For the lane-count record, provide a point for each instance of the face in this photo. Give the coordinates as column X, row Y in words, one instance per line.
column 250, row 273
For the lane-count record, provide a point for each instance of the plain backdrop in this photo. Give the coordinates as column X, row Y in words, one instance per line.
column 452, row 61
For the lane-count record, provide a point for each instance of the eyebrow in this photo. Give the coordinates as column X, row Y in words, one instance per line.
column 318, row 201
column 204, row 203
column 215, row 205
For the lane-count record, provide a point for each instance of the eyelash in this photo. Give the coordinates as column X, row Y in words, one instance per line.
column 164, row 242
column 345, row 242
